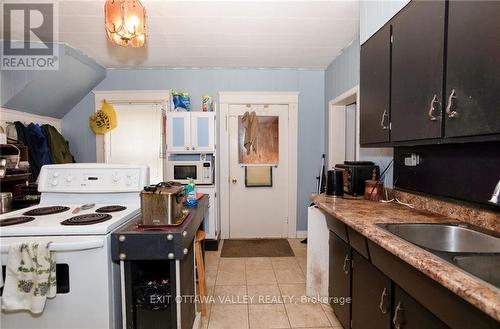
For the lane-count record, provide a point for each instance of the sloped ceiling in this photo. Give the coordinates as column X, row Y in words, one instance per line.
column 53, row 92
column 228, row 34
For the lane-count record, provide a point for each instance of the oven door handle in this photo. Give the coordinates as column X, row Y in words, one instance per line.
column 67, row 246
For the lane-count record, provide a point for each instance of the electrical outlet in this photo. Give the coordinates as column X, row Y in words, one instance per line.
column 412, row 160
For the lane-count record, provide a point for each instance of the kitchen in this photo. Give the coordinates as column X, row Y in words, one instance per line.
column 319, row 164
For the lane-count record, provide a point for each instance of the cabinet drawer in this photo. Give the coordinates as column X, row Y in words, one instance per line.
column 358, row 242
column 338, row 227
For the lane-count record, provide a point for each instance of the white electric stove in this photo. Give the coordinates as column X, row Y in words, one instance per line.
column 88, row 281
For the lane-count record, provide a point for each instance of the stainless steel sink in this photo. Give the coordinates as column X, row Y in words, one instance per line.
column 470, row 249
column 446, row 237
column 484, row 266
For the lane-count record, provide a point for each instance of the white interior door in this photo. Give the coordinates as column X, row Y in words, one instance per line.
column 138, row 138
column 258, row 212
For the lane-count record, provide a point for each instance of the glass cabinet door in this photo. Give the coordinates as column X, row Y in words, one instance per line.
column 178, row 132
column 203, row 131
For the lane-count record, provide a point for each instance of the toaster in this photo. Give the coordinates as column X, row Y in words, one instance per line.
column 163, row 204
column 355, row 175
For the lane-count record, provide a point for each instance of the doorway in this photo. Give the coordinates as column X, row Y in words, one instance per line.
column 137, row 138
column 268, row 210
column 258, row 211
column 343, row 128
column 140, row 133
column 350, row 132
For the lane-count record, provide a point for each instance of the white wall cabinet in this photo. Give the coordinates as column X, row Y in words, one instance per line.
column 190, row 132
column 211, row 221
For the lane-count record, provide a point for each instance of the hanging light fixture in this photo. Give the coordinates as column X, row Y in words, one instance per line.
column 125, row 22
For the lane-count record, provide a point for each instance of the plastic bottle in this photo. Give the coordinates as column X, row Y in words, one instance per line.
column 191, row 200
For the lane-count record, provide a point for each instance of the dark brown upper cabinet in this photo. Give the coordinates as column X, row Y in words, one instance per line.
column 417, row 71
column 437, row 81
column 473, row 69
column 375, row 88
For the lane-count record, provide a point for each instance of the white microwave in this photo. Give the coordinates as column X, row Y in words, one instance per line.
column 202, row 172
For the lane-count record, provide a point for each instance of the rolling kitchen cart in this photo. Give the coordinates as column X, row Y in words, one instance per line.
column 157, row 267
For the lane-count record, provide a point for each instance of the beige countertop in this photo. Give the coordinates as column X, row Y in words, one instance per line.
column 363, row 215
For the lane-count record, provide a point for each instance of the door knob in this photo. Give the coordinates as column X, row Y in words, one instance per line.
column 234, row 180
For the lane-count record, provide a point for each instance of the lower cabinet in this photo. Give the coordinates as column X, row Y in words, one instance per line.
column 409, row 314
column 376, row 301
column 340, row 278
column 371, row 296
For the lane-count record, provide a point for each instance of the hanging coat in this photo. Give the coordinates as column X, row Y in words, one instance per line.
column 59, row 147
column 38, row 148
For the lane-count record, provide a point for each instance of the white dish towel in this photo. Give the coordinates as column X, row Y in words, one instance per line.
column 30, row 277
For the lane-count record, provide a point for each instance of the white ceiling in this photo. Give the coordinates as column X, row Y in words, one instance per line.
column 229, row 34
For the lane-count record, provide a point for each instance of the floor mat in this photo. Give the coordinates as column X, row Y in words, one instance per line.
column 257, row 248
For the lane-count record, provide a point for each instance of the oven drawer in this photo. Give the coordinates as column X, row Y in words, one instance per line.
column 87, row 283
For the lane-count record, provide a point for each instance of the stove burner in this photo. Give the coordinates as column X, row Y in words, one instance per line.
column 112, row 208
column 15, row 220
column 45, row 211
column 86, row 219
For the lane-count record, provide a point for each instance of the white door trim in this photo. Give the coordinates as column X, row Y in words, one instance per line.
column 126, row 96
column 338, row 104
column 222, row 170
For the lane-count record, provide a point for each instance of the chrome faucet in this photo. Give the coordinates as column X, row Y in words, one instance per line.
column 496, row 194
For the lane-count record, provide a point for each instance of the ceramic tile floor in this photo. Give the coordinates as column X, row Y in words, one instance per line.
column 260, row 293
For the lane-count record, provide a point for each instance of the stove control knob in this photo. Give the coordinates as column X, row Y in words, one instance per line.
column 69, row 178
column 56, row 174
column 54, row 182
column 116, row 179
column 128, row 182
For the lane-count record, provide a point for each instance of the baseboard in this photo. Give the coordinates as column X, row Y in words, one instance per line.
column 301, row 234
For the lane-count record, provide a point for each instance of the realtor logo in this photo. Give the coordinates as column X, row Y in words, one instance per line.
column 29, row 31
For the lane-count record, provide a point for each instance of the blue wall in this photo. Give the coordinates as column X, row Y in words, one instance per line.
column 373, row 14
column 343, row 73
column 340, row 76
column 310, row 84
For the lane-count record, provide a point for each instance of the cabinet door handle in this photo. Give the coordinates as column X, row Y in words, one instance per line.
column 346, row 264
column 398, row 317
column 382, row 121
column 381, row 306
column 450, row 108
column 433, row 108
